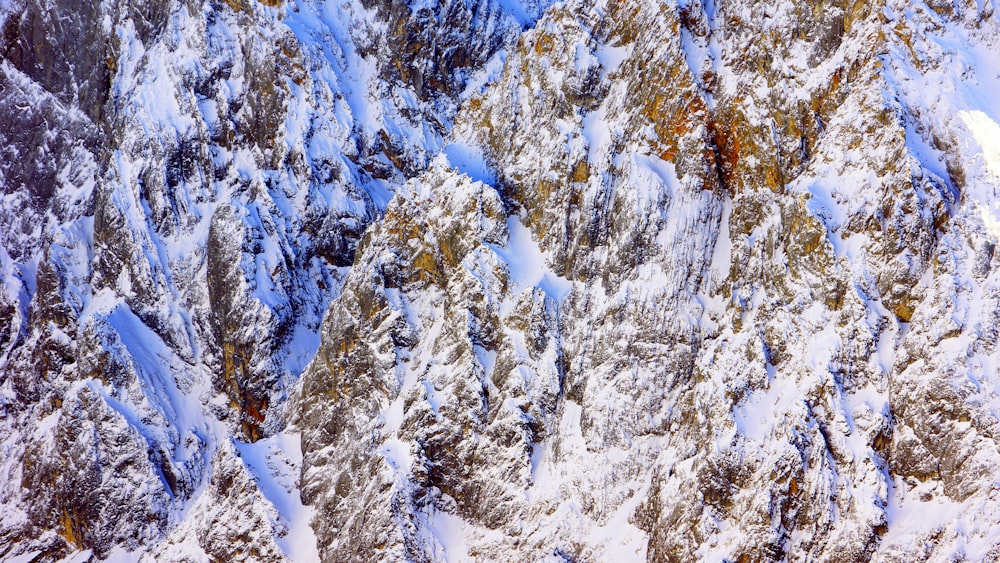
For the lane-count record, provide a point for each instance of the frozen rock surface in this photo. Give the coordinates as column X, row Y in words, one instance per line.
column 451, row 280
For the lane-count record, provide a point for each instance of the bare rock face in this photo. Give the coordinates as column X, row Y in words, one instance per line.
column 492, row 280
column 435, row 46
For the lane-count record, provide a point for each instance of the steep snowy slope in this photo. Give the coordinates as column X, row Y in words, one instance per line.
column 498, row 279
column 184, row 184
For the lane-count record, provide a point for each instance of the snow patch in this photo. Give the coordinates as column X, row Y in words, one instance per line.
column 469, row 160
column 612, row 57
column 986, row 132
column 449, row 531
column 274, row 464
column 526, row 263
column 397, row 454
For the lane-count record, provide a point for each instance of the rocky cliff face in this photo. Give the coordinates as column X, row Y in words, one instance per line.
column 184, row 186
column 462, row 280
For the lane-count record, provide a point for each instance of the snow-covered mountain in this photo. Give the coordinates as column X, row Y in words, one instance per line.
column 454, row 280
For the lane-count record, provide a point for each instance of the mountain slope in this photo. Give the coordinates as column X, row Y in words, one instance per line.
column 458, row 280
column 179, row 209
column 704, row 324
